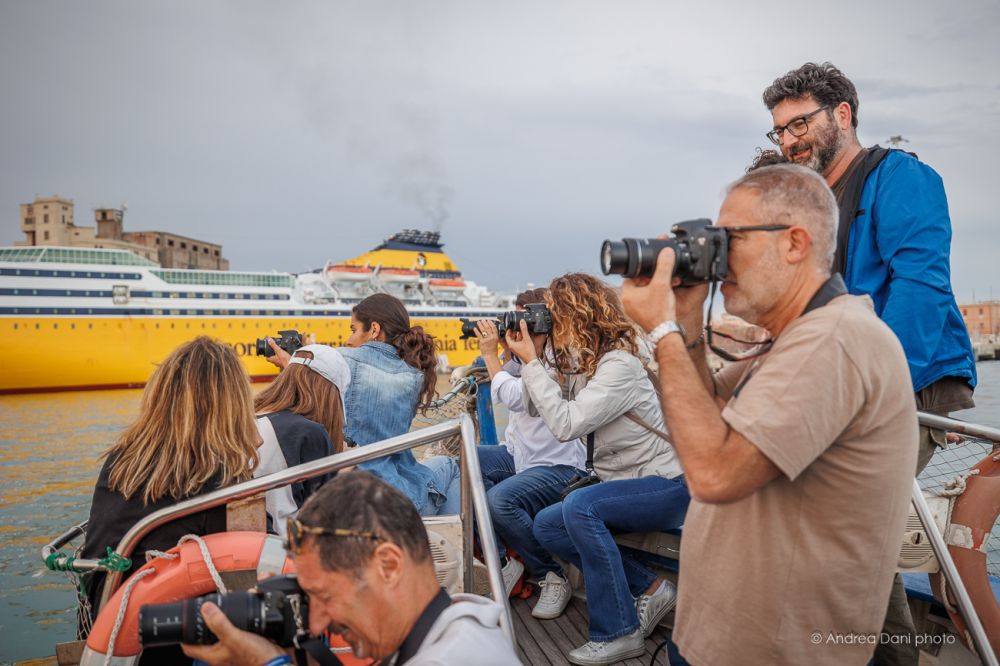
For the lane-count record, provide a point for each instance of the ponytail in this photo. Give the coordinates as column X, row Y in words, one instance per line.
column 416, row 348
column 414, row 345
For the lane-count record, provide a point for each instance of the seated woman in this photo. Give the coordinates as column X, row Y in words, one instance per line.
column 194, row 434
column 300, row 417
column 393, row 373
column 525, row 473
column 610, row 397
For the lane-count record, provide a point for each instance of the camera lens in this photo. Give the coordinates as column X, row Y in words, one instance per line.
column 263, row 349
column 614, row 257
column 167, row 624
column 633, row 257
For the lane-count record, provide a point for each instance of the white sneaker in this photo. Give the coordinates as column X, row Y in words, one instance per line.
column 555, row 594
column 652, row 607
column 511, row 574
column 595, row 653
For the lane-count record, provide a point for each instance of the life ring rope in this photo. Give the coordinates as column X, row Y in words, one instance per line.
column 150, row 556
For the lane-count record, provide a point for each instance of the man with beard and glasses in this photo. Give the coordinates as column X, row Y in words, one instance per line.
column 797, row 458
column 893, row 243
column 362, row 556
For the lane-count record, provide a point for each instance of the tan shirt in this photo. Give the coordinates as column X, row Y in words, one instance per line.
column 799, row 572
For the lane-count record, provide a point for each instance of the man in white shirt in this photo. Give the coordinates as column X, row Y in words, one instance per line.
column 524, row 474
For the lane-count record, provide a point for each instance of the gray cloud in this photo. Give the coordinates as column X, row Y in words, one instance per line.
column 309, row 131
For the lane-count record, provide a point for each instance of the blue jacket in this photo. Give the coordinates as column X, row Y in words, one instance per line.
column 380, row 403
column 898, row 253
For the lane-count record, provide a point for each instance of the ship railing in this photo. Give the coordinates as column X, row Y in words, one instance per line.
column 473, row 507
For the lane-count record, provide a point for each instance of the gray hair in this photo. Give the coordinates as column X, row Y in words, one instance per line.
column 793, row 194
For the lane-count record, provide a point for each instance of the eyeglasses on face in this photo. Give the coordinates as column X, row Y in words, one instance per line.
column 296, row 532
column 797, row 126
column 757, row 227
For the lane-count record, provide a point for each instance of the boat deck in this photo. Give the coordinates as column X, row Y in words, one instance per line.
column 546, row 642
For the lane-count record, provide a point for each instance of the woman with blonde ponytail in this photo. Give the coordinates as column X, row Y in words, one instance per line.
column 195, row 433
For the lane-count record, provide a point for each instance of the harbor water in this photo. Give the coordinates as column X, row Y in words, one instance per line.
column 49, row 459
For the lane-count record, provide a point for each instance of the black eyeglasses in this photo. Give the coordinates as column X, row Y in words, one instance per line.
column 757, row 227
column 296, row 531
column 797, row 126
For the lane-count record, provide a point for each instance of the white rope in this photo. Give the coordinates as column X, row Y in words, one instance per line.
column 956, row 486
column 120, row 618
column 150, row 556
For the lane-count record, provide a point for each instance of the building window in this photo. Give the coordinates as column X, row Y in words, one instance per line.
column 170, row 243
column 157, row 241
column 46, row 235
column 45, row 218
column 205, row 250
column 183, row 245
column 216, row 253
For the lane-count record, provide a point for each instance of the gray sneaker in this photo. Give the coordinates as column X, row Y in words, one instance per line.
column 553, row 598
column 481, row 577
column 595, row 653
column 652, row 607
column 511, row 574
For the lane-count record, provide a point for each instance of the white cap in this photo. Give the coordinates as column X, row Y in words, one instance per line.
column 328, row 362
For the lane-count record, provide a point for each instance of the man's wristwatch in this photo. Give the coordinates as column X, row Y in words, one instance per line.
column 663, row 330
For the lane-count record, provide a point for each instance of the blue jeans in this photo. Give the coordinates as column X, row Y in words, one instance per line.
column 580, row 530
column 447, row 480
column 515, row 499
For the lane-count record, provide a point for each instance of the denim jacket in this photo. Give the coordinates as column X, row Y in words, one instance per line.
column 380, row 403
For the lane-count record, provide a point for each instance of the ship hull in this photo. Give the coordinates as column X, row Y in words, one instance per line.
column 64, row 353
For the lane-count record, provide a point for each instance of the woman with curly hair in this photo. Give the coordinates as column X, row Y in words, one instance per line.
column 611, row 402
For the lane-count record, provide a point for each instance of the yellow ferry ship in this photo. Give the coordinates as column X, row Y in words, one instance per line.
column 75, row 318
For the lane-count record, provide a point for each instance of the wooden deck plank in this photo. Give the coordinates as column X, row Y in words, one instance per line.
column 546, row 642
column 544, row 647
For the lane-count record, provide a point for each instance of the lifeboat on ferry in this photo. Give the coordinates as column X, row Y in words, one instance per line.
column 344, row 273
column 185, row 577
column 973, row 515
column 449, row 284
column 399, row 275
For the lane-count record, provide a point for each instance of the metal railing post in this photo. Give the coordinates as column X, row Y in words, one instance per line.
column 979, row 638
column 487, row 538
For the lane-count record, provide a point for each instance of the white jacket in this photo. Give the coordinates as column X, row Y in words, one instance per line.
column 623, row 449
column 467, row 632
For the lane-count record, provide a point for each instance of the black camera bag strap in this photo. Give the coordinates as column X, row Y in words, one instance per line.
column 318, row 650
column 590, row 455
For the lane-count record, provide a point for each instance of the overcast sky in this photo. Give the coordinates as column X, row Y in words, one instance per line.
column 297, row 132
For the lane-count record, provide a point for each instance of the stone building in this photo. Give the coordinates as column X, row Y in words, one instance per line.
column 49, row 221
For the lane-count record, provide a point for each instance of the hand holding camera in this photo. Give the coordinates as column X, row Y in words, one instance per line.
column 488, row 336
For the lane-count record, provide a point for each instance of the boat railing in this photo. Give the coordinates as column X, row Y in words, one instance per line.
column 473, row 506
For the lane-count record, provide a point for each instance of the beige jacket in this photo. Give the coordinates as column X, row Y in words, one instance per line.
column 623, row 449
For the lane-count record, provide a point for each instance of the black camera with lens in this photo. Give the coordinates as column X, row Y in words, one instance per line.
column 537, row 316
column 701, row 249
column 278, row 610
column 290, row 341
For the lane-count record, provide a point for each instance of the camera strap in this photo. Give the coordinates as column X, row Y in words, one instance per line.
column 415, row 639
column 318, row 650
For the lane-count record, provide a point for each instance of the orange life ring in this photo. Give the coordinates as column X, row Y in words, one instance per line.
column 972, row 518
column 183, row 578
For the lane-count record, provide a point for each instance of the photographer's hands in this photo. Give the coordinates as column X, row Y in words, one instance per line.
column 280, row 357
column 521, row 342
column 236, row 647
column 651, row 301
column 489, row 338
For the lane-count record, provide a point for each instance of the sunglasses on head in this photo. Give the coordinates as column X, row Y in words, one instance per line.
column 296, row 532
